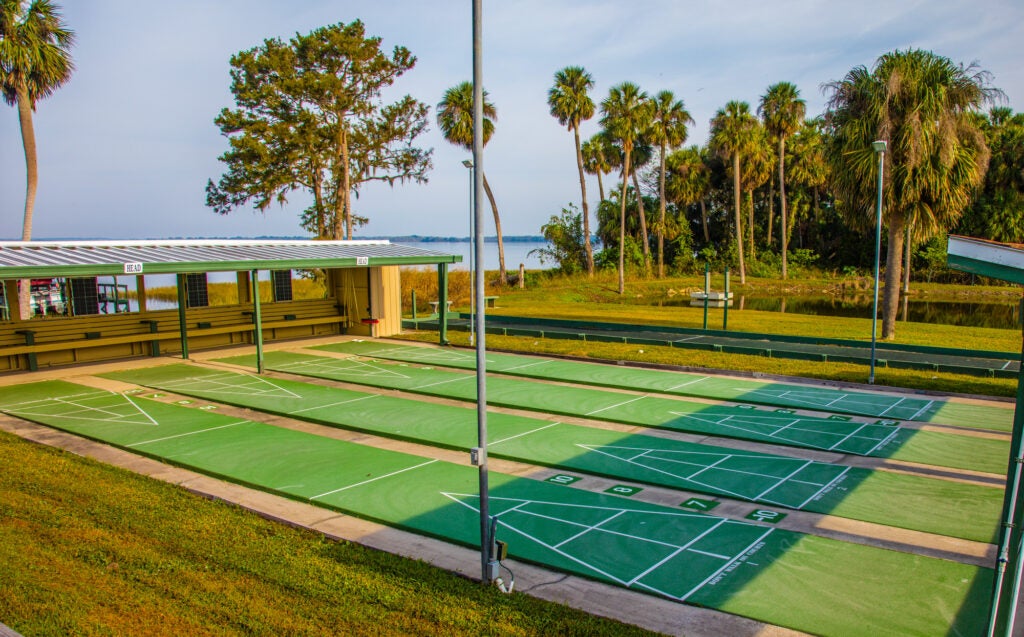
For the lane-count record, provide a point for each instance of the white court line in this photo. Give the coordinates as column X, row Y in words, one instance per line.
column 714, row 555
column 502, row 371
column 679, row 550
column 190, row 433
column 141, row 410
column 340, row 402
column 597, row 411
column 387, row 475
column 783, row 481
column 86, row 408
column 1006, row 364
column 687, row 383
column 781, row 429
column 892, row 406
column 442, row 382
column 922, row 410
column 687, row 339
column 525, row 433
column 587, row 529
column 724, row 566
column 50, row 399
column 883, row 441
column 847, row 436
column 710, row 466
column 826, row 486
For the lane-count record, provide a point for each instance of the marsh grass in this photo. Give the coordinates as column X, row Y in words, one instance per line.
column 89, row 549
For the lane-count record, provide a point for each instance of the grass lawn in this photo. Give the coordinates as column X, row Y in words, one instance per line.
column 86, row 548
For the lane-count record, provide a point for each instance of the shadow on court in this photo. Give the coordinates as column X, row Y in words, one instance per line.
column 744, row 568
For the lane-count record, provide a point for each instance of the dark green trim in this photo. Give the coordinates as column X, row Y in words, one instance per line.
column 111, row 269
column 985, row 268
column 182, row 319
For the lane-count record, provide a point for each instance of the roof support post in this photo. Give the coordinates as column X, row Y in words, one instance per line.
column 257, row 320
column 442, row 302
column 1006, row 587
column 182, row 322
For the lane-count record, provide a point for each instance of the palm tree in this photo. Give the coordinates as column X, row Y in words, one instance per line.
column 783, row 112
column 455, row 119
column 808, row 167
column 625, row 116
column 925, row 107
column 596, row 152
column 733, row 133
column 758, row 163
column 571, row 105
column 668, row 130
column 35, row 60
column 689, row 181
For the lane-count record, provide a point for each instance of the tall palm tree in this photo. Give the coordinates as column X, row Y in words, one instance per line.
column 733, row 134
column 925, row 107
column 571, row 105
column 455, row 119
column 625, row 116
column 35, row 60
column 596, row 152
column 808, row 167
column 783, row 112
column 668, row 131
column 758, row 162
column 689, row 181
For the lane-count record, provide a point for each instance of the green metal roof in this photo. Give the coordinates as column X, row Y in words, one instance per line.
column 1004, row 261
column 38, row 259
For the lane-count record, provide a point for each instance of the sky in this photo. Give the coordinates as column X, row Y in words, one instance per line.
column 127, row 145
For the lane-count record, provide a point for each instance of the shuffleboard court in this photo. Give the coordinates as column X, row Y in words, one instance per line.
column 807, row 583
column 743, row 421
column 924, row 504
column 840, row 401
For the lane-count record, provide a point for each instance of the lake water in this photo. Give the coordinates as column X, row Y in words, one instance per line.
column 516, row 252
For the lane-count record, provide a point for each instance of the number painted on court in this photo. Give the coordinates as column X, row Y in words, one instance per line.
column 561, row 478
column 623, row 489
column 765, row 515
column 699, row 504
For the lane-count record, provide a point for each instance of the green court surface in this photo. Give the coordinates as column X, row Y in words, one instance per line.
column 807, row 583
column 731, row 421
column 833, row 400
column 913, row 502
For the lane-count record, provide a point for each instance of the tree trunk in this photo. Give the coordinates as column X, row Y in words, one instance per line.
column 750, row 222
column 661, row 215
column 906, row 258
column 622, row 222
column 893, row 261
column 28, row 140
column 704, row 221
column 771, row 213
column 340, row 190
column 600, row 185
column 643, row 226
column 586, row 208
column 736, row 207
column 318, row 202
column 497, row 227
column 782, row 204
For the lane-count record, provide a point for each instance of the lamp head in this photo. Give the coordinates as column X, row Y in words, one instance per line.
column 469, row 164
column 878, row 146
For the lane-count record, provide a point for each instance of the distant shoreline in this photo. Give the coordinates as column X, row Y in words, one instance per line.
column 412, row 238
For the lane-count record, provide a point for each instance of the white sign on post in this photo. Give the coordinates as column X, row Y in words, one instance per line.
column 133, row 268
column 362, row 260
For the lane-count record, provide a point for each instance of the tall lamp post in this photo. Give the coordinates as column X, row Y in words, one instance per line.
column 472, row 297
column 879, row 148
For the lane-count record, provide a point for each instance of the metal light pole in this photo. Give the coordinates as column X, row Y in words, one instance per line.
column 472, row 293
column 488, row 562
column 879, row 148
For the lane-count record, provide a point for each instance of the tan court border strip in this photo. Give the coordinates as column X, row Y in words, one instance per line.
column 593, row 597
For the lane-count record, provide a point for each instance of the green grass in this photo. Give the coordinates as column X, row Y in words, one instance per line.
column 87, row 548
column 597, row 299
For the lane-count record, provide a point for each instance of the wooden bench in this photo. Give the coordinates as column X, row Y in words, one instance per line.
column 490, row 300
column 434, row 304
column 75, row 334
